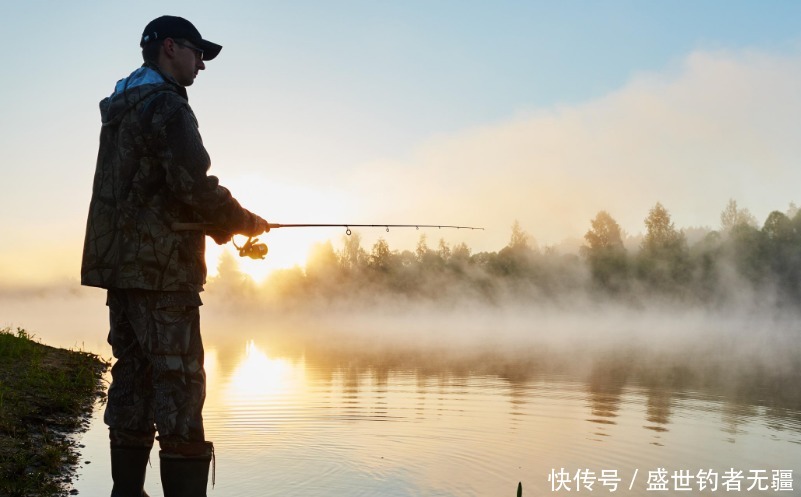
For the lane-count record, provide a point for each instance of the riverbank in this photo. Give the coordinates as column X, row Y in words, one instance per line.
column 46, row 395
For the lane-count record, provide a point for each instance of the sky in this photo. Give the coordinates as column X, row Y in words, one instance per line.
column 432, row 112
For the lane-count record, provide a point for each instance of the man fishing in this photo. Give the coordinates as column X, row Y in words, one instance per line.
column 151, row 172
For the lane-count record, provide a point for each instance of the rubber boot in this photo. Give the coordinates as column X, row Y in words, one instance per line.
column 185, row 475
column 128, row 467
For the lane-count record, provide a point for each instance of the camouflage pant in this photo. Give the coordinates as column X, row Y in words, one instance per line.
column 158, row 379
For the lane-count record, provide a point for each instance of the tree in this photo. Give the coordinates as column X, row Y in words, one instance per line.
column 428, row 259
column 605, row 252
column 516, row 259
column 460, row 254
column 604, row 234
column 747, row 248
column 353, row 255
column 664, row 259
column 380, row 257
column 778, row 227
column 519, row 238
column 230, row 278
column 706, row 255
column 783, row 251
column 792, row 210
column 660, row 233
column 732, row 217
column 459, row 258
column 444, row 250
column 322, row 262
column 422, row 249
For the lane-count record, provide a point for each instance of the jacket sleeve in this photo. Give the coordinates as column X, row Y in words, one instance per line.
column 187, row 164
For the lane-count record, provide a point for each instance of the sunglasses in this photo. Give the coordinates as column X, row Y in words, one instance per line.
column 198, row 52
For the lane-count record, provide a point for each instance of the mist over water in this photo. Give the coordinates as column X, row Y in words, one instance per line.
column 734, row 351
column 398, row 396
column 745, row 350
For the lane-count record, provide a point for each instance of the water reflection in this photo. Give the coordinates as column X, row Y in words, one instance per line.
column 354, row 381
column 734, row 418
column 605, row 387
column 658, row 409
column 258, row 376
column 312, row 419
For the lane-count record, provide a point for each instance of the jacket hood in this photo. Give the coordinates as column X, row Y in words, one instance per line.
column 128, row 92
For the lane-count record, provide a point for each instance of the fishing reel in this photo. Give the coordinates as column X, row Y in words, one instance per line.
column 252, row 249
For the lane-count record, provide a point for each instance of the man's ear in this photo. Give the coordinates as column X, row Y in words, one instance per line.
column 168, row 47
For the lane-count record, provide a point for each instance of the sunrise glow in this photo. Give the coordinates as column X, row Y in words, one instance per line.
column 260, row 376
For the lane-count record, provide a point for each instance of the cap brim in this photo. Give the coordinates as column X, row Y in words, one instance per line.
column 210, row 50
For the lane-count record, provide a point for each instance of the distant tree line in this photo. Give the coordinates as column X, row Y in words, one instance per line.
column 739, row 260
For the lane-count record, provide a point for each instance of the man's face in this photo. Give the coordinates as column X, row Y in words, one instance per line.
column 188, row 62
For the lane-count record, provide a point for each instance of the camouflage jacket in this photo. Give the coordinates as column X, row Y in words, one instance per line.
column 151, row 172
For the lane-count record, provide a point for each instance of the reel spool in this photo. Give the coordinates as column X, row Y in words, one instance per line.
column 252, row 249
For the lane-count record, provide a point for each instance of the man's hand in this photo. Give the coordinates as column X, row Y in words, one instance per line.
column 221, row 237
column 259, row 226
column 264, row 226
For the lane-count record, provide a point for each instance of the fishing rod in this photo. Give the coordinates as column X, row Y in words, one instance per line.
column 259, row 250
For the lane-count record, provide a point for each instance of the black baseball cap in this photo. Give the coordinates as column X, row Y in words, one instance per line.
column 178, row 27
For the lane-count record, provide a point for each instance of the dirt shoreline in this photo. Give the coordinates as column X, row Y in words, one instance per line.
column 46, row 397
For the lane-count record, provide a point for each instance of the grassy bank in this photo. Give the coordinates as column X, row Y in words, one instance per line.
column 45, row 395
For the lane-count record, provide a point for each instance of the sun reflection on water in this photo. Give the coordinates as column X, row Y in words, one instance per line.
column 259, row 376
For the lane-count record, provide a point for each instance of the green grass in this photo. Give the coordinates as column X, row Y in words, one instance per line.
column 45, row 393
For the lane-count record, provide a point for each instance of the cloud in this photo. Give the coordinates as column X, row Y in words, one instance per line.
column 716, row 125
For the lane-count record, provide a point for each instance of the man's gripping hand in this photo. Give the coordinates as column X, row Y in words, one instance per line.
column 221, row 237
column 257, row 227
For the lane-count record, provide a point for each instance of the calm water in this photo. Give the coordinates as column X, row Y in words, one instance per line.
column 382, row 425
column 470, row 404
